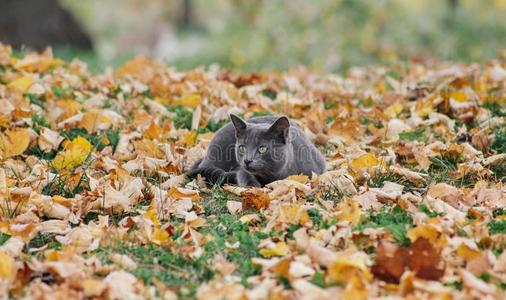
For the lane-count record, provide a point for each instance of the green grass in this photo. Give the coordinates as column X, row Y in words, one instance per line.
column 331, row 193
column 442, row 168
column 394, row 219
column 498, row 212
column 423, row 208
column 379, row 178
column 42, row 239
column 495, row 227
column 414, row 135
column 215, row 203
column 3, row 238
column 495, row 109
column 499, row 143
column 185, row 274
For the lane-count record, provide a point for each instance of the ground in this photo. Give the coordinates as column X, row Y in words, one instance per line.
column 95, row 202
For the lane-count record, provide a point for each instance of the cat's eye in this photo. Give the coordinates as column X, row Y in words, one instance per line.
column 242, row 149
column 262, row 149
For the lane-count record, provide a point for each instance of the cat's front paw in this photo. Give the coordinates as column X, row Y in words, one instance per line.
column 246, row 179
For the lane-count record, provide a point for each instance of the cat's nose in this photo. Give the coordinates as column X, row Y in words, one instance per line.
column 247, row 162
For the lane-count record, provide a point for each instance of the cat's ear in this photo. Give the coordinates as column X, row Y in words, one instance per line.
column 280, row 129
column 239, row 124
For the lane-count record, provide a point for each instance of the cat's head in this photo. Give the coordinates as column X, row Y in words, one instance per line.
column 262, row 149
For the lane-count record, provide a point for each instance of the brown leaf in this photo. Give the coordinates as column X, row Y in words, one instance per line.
column 255, row 198
column 391, row 261
column 425, row 261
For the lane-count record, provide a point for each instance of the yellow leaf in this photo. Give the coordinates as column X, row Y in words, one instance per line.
column 279, row 249
column 148, row 148
column 21, row 84
column 160, row 237
column 467, row 253
column 154, row 131
column 182, row 193
column 298, row 178
column 293, row 213
column 429, row 233
column 349, row 211
column 190, row 139
column 356, row 289
column 458, row 96
column 93, row 120
column 7, row 266
column 141, row 67
column 189, row 100
column 74, row 155
column 364, row 161
column 69, row 107
column 5, row 121
column 162, row 100
column 38, row 63
column 344, row 268
column 13, row 142
column 393, row 110
column 151, row 214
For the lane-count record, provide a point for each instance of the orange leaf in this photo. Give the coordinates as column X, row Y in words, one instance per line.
column 256, row 199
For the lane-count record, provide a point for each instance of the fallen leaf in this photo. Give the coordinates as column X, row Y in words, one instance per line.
column 76, row 152
column 364, row 161
column 278, row 249
column 21, row 84
column 255, row 198
column 13, row 142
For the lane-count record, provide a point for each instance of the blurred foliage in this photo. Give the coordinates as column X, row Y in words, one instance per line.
column 277, row 34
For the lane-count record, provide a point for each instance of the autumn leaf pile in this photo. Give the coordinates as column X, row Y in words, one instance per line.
column 95, row 203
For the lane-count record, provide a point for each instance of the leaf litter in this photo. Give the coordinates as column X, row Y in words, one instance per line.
column 95, row 203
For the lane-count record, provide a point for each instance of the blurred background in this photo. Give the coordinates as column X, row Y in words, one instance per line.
column 329, row 35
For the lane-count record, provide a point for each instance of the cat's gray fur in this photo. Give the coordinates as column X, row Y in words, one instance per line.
column 289, row 152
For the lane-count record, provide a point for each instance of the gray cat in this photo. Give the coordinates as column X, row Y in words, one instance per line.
column 257, row 152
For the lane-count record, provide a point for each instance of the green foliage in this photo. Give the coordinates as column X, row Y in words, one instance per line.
column 485, row 277
column 61, row 92
column 458, row 285
column 495, row 227
column 45, row 155
column 499, row 212
column 183, row 116
column 499, row 143
column 395, row 220
column 270, row 94
column 214, row 125
column 228, row 228
column 172, row 269
column 423, row 208
column 379, row 178
column 60, row 186
column 3, row 238
column 260, row 113
column 419, row 134
column 42, row 239
column 331, row 192
column 185, row 274
column 39, row 121
column 36, row 100
column 319, row 279
column 113, row 137
column 442, row 168
column 495, row 109
column 216, row 202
